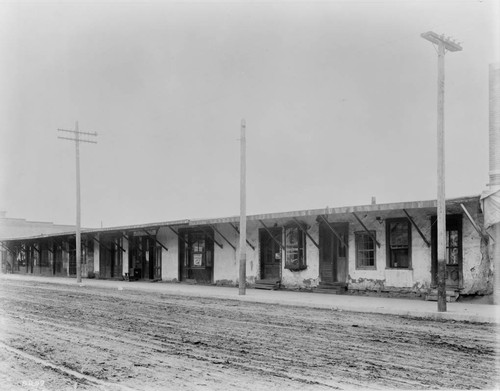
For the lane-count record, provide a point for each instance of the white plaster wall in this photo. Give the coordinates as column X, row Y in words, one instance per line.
column 226, row 266
column 477, row 269
column 170, row 258
column 96, row 257
column 419, row 276
column 253, row 266
column 308, row 277
column 125, row 246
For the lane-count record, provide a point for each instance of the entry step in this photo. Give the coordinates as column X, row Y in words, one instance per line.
column 332, row 288
column 450, row 295
column 269, row 284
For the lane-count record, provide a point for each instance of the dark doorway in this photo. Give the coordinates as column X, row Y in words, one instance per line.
column 196, row 252
column 143, row 257
column 453, row 251
column 270, row 253
column 333, row 266
column 110, row 257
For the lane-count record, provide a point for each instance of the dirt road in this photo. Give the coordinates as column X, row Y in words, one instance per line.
column 56, row 337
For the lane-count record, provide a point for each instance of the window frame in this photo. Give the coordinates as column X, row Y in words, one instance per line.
column 364, row 234
column 301, row 249
column 389, row 261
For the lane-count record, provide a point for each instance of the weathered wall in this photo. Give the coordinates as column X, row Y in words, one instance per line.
column 170, row 258
column 310, row 276
column 383, row 278
column 226, row 266
column 477, row 269
column 96, row 257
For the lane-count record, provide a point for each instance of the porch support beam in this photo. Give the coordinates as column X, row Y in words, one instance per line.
column 272, row 236
column 223, row 237
column 37, row 249
column 476, row 227
column 417, row 228
column 179, row 236
column 156, row 240
column 329, row 225
column 100, row 244
column 120, row 247
column 305, row 231
column 212, row 237
column 7, row 248
column 237, row 230
column 366, row 229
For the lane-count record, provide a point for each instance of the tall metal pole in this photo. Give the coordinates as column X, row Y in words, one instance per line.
column 243, row 218
column 78, row 228
column 77, row 139
column 443, row 44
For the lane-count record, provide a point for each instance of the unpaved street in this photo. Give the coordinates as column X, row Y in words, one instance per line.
column 124, row 339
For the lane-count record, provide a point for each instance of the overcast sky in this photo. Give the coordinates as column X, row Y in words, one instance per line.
column 339, row 98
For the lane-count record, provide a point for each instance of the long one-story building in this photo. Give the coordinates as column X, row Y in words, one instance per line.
column 375, row 247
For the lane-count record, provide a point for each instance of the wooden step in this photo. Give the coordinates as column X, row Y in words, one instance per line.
column 269, row 284
column 333, row 288
column 450, row 295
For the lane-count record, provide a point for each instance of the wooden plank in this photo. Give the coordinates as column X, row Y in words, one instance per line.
column 334, row 231
column 305, row 231
column 179, row 236
column 367, row 230
column 475, row 225
column 417, row 228
column 154, row 238
column 223, row 237
column 238, row 231
column 272, row 236
column 212, row 237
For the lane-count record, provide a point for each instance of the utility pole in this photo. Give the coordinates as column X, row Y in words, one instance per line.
column 76, row 138
column 243, row 218
column 443, row 43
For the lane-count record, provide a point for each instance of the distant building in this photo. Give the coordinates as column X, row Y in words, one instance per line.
column 18, row 228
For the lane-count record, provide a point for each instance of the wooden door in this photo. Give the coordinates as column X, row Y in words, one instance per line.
column 196, row 255
column 270, row 253
column 453, row 251
column 333, row 262
column 157, row 264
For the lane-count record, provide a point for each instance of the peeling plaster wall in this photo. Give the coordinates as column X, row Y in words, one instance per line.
column 476, row 266
column 310, row 276
column 382, row 278
column 477, row 269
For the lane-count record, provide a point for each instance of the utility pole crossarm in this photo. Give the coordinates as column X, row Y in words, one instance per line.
column 450, row 45
column 78, row 140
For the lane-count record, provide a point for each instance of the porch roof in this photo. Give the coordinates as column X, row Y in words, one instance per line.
column 430, row 204
column 101, row 230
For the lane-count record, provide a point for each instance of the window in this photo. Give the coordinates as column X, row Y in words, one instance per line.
column 365, row 250
column 398, row 243
column 295, row 255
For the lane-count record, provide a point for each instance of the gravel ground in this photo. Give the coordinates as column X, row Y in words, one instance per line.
column 57, row 337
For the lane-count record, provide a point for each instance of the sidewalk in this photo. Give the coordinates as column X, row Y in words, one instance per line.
column 378, row 305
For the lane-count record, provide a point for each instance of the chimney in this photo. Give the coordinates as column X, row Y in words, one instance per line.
column 494, row 111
